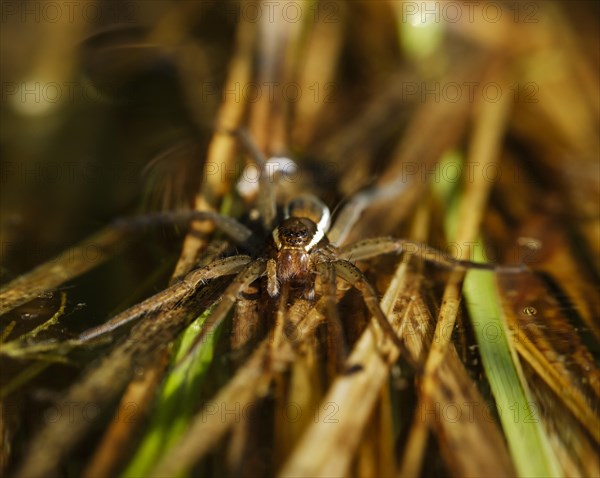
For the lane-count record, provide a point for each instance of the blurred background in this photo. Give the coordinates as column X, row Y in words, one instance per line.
column 110, row 105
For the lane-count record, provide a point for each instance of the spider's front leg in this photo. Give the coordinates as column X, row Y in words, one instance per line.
column 327, row 274
column 370, row 248
column 249, row 274
column 272, row 280
column 171, row 296
column 352, row 274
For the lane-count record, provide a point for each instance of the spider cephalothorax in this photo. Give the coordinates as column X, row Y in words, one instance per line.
column 297, row 241
column 295, row 238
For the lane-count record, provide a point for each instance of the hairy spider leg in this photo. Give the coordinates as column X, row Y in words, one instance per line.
column 229, row 226
column 326, row 271
column 352, row 210
column 249, row 274
column 171, row 296
column 370, row 248
column 281, row 319
column 267, row 205
column 272, row 280
column 236, row 231
column 352, row 274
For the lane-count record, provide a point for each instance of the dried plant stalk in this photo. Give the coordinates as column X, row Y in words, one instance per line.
column 75, row 261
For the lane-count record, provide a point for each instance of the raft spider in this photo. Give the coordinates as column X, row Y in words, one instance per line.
column 292, row 252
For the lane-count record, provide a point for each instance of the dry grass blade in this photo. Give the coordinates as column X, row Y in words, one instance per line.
column 89, row 253
column 317, row 72
column 455, row 411
column 26, row 375
column 576, row 381
column 32, row 334
column 434, row 128
column 221, row 150
column 574, row 446
column 135, row 401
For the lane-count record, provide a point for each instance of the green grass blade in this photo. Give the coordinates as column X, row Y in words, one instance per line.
column 178, row 399
column 519, row 416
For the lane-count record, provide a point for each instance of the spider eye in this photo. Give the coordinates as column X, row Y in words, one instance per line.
column 295, row 235
column 297, row 232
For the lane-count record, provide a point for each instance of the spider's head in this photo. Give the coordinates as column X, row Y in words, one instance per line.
column 297, row 233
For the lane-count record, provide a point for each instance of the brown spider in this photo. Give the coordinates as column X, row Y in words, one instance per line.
column 293, row 253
